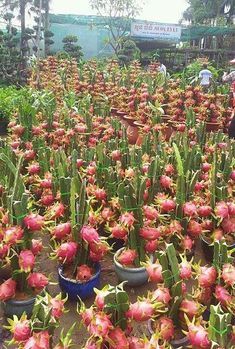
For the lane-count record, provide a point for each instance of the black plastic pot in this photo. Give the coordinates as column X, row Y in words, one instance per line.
column 3, row 126
column 208, row 249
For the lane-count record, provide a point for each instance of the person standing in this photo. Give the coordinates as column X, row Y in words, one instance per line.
column 206, row 77
column 162, row 68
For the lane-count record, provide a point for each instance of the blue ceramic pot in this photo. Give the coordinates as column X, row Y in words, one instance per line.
column 75, row 289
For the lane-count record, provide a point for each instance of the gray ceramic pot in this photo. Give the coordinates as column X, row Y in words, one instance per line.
column 133, row 276
column 17, row 307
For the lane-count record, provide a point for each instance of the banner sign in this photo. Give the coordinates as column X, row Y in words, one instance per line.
column 156, row 31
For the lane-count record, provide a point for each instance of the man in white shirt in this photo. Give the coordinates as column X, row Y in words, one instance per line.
column 162, row 69
column 205, row 75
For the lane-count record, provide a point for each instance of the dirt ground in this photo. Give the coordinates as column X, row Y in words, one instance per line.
column 108, row 276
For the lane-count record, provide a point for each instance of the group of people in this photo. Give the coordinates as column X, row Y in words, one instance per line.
column 205, row 77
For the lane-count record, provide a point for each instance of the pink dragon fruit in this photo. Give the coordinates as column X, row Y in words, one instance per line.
column 127, row 219
column 21, row 330
column 189, row 209
column 228, row 225
column 36, row 246
column 221, row 210
column 26, row 260
column 154, row 271
column 167, row 205
column 57, row 306
column 185, row 270
column 13, row 234
column 207, row 276
column 7, row 289
column 228, row 274
column 127, row 257
column 34, row 222
column 149, row 233
column 37, row 280
column 84, row 273
column 150, row 213
column 187, row 243
column 162, row 295
column 204, row 211
column 118, row 232
column 141, row 311
column 100, row 325
column 39, row 340
column 67, row 251
column 198, row 337
column 136, row 343
column 151, row 246
column 89, row 234
column 61, row 230
column 166, row 182
column 118, row 339
column 166, row 328
column 222, row 295
column 232, row 175
column 189, row 307
column 194, row 228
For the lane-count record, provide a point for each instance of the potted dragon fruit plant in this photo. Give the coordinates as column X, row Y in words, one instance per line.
column 77, row 244
column 172, row 280
column 109, row 319
column 39, row 330
column 18, row 246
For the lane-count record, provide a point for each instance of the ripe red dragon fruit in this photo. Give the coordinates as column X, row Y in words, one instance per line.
column 29, row 155
column 46, row 183
column 127, row 257
column 194, row 228
column 189, row 209
column 57, row 307
column 175, row 227
column 166, row 328
column 166, row 182
column 154, row 271
column 198, row 337
column 198, row 186
column 222, row 295
column 221, row 209
column 185, row 270
column 162, row 295
column 231, row 208
column 207, row 276
column 100, row 325
column 167, row 205
column 150, row 213
column 67, row 251
column 136, row 343
column 61, row 230
column 84, row 273
column 56, row 211
column 47, row 199
column 232, row 175
column 228, row 274
column 127, row 219
column 204, row 211
column 21, row 330
column 141, row 311
column 118, row 339
column 149, row 233
column 39, row 340
column 37, row 280
column 26, row 260
column 79, row 163
column 34, row 168
column 118, row 232
column 189, row 307
column 116, row 155
column 87, row 315
column 151, row 246
column 100, row 298
column 34, row 222
column 100, row 194
column 89, row 234
column 13, row 234
column 228, row 225
column 7, row 290
column 206, row 167
column 169, row 169
column 36, row 246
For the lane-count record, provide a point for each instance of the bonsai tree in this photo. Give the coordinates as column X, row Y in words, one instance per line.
column 70, row 46
column 128, row 52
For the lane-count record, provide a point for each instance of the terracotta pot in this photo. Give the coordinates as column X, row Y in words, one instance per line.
column 139, row 140
column 212, row 126
column 132, row 134
column 168, row 129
